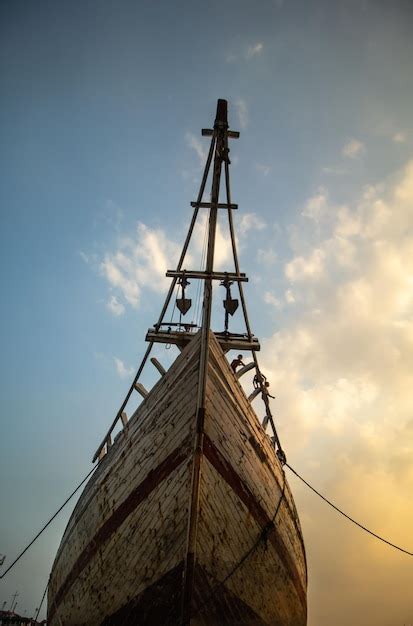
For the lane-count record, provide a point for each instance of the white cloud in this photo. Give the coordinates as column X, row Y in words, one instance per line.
column 335, row 171
column 353, row 149
column 198, row 146
column 271, row 299
column 309, row 267
column 361, row 331
column 85, row 257
column 289, row 296
column 264, row 169
column 122, row 370
column 341, row 368
column 140, row 262
column 242, row 112
column 231, row 58
column 399, row 137
column 266, row 257
column 115, row 307
column 223, row 249
column 254, row 50
column 316, row 206
column 250, row 221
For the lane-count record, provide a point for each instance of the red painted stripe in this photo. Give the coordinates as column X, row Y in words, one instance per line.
column 229, row 474
column 138, row 495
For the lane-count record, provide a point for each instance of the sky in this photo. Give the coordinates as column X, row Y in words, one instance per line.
column 101, row 108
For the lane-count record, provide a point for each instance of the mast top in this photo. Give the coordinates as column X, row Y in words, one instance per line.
column 221, row 122
column 221, row 119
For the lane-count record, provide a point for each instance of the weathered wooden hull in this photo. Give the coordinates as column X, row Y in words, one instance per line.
column 122, row 557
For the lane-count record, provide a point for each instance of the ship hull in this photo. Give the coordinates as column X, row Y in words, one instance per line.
column 123, row 556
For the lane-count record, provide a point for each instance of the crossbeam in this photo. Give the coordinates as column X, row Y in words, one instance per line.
column 237, row 278
column 209, row 205
column 208, row 132
column 226, row 340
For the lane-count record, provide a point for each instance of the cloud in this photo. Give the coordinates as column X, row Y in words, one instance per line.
column 115, row 307
column 223, row 249
column 122, row 370
column 289, row 296
column 264, row 169
column 250, row 221
column 271, row 299
column 334, row 171
column 85, row 257
column 316, row 206
column 399, row 137
column 266, row 257
column 353, row 149
column 250, row 52
column 254, row 50
column 306, row 267
column 196, row 144
column 140, row 262
column 231, row 58
column 242, row 112
column 341, row 368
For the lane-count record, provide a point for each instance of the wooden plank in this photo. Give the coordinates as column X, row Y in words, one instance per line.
column 232, row 134
column 239, row 278
column 209, row 205
column 140, row 388
column 158, row 366
column 227, row 341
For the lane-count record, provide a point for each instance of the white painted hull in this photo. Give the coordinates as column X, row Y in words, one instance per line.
column 122, row 556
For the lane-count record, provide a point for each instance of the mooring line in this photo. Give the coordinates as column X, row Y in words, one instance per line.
column 320, row 495
column 47, row 523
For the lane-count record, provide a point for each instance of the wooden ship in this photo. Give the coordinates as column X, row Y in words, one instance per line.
column 188, row 518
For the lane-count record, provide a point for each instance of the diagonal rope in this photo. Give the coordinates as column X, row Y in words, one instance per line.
column 367, row 530
column 47, row 523
column 41, row 603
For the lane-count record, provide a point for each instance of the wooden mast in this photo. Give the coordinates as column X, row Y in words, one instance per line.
column 221, row 154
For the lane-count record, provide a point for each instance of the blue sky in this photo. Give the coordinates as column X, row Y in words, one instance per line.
column 101, row 109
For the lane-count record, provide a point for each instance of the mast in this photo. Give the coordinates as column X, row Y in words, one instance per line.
column 221, row 153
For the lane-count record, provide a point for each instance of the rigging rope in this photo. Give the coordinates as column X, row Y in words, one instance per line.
column 197, row 316
column 47, row 523
column 389, row 543
column 174, row 306
column 41, row 603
